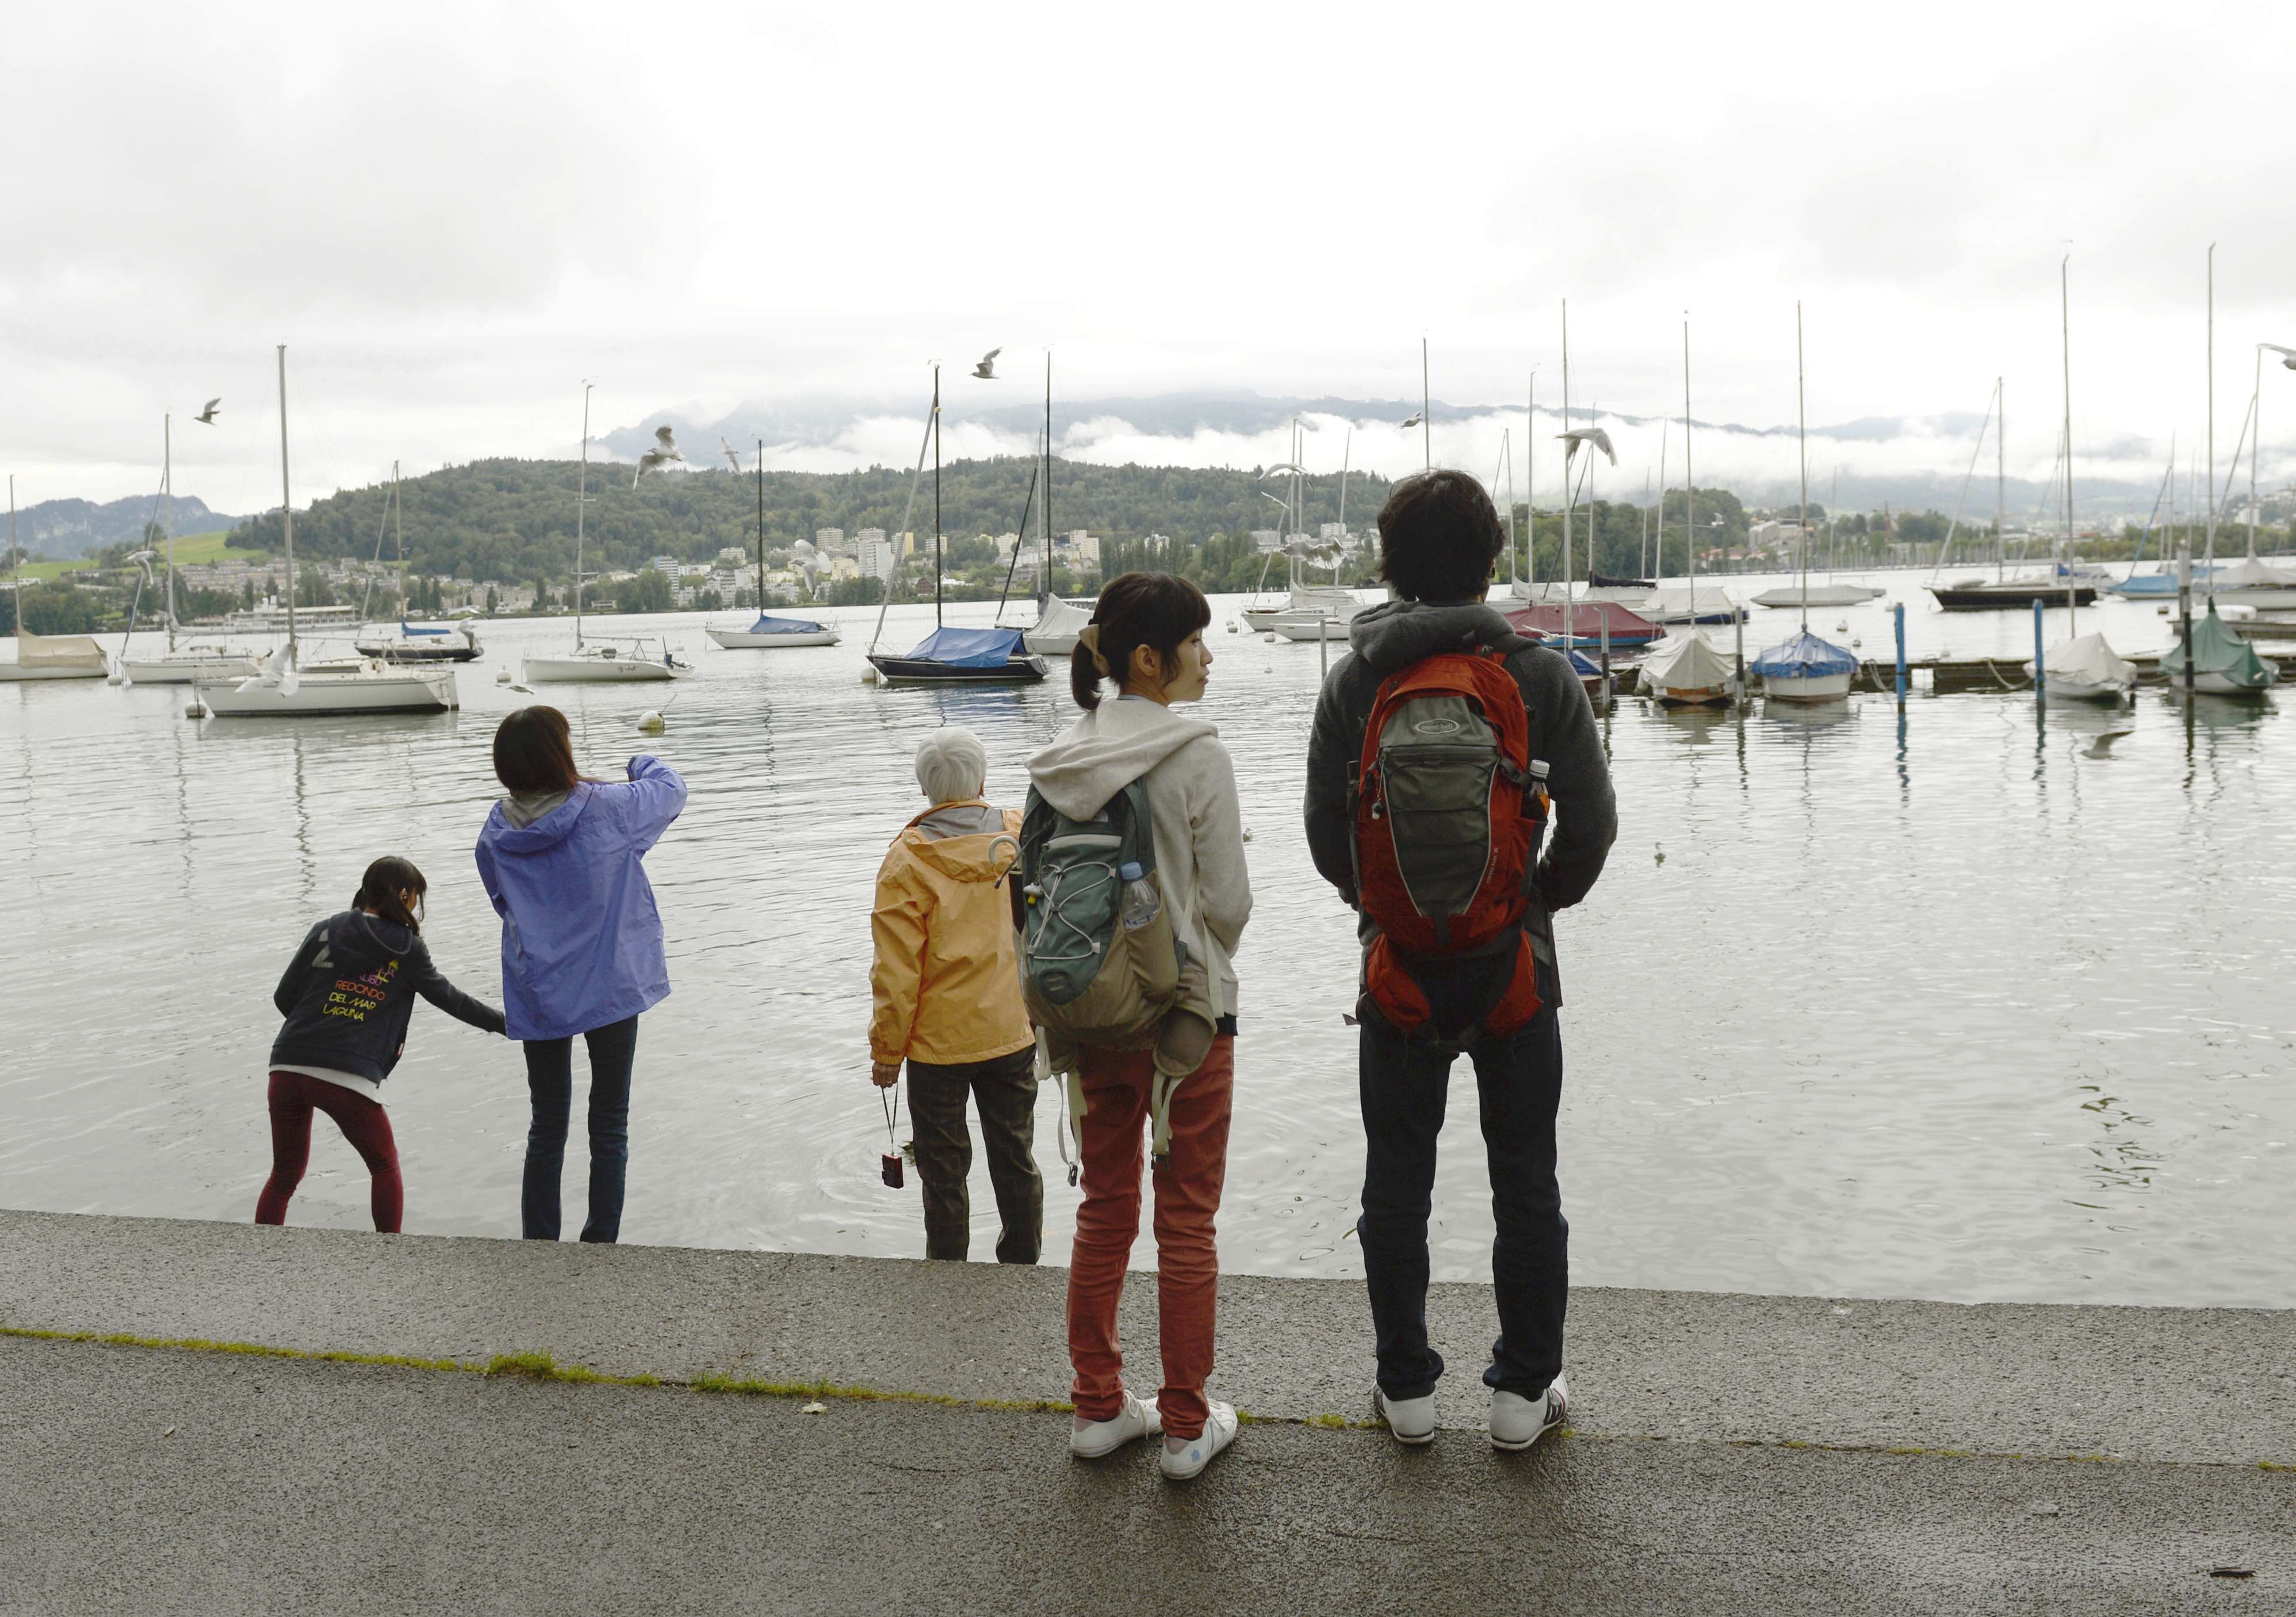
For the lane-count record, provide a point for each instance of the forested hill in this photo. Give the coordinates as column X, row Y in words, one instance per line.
column 513, row 520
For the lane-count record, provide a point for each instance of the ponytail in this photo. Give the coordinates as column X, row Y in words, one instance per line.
column 1158, row 611
column 378, row 889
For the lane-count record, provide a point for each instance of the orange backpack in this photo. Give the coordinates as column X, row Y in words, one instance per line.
column 1447, row 808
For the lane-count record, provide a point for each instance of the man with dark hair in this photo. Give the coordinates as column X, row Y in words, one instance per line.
column 1439, row 542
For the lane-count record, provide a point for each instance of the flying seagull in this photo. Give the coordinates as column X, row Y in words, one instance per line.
column 664, row 451
column 208, row 414
column 2287, row 355
column 1595, row 436
column 1415, row 420
column 735, row 458
column 987, row 368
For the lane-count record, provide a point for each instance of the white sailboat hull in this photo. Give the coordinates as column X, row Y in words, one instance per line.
column 2057, row 689
column 372, row 689
column 594, row 670
column 1806, row 688
column 743, row 640
column 2248, row 595
column 1312, row 629
column 2218, row 684
column 194, row 670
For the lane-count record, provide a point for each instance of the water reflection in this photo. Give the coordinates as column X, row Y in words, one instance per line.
column 1794, row 1070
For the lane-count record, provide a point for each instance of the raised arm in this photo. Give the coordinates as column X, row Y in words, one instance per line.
column 424, row 977
column 655, row 796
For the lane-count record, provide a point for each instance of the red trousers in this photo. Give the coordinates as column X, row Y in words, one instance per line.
column 1188, row 1183
column 364, row 1123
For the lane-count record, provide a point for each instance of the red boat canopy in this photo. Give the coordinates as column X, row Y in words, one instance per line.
column 1544, row 622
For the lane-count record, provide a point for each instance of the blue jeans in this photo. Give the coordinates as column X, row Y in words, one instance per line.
column 1519, row 1083
column 550, row 1080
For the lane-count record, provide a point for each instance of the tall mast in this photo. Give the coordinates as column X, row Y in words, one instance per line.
column 168, row 512
column 1689, row 482
column 1658, row 522
column 936, row 432
column 2256, row 413
column 1568, row 501
column 1426, row 408
column 581, row 509
column 1801, row 436
column 398, row 532
column 2065, row 316
column 1530, row 482
column 761, row 531
column 286, row 506
column 2212, row 427
column 1046, row 517
column 15, row 562
column 2000, row 485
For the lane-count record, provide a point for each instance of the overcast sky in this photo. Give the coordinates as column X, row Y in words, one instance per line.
column 453, row 214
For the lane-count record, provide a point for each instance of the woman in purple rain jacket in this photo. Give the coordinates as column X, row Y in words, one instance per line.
column 582, row 949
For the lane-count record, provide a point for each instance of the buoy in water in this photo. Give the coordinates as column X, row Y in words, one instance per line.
column 869, row 673
column 196, row 710
column 1270, row 637
column 650, row 721
column 502, row 676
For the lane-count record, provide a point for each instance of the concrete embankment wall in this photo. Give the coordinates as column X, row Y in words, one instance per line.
column 2176, row 1385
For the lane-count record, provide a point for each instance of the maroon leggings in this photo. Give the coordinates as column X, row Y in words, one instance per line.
column 364, row 1123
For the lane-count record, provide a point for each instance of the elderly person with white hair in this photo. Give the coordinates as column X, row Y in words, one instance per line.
column 945, row 988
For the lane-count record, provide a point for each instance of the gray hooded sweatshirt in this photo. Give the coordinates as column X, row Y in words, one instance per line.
column 1191, row 786
column 1394, row 635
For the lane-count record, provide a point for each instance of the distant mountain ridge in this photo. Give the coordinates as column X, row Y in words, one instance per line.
column 59, row 529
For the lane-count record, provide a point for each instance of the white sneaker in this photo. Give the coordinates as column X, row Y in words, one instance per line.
column 1219, row 1432
column 1518, row 1422
column 1411, row 1420
column 1102, row 1438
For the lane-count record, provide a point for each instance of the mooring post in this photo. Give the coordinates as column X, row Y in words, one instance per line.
column 1606, row 660
column 2039, row 678
column 1899, row 612
column 2185, row 607
column 1323, row 642
column 1738, row 622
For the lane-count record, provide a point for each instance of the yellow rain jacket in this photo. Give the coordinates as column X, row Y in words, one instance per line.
column 945, row 986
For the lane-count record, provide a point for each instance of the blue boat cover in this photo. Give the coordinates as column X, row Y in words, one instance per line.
column 768, row 624
column 970, row 648
column 1804, row 656
column 407, row 628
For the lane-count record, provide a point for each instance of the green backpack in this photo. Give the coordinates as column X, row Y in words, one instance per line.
column 1085, row 972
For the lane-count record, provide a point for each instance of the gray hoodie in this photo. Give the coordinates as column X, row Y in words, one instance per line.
column 1191, row 786
column 1394, row 635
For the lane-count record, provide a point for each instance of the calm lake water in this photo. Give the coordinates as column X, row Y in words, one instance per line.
column 1941, row 1004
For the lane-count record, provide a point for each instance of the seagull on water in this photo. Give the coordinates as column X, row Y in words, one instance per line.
column 208, row 414
column 987, row 368
column 664, row 451
column 1594, row 436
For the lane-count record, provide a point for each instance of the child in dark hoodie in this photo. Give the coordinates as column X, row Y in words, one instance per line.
column 346, row 997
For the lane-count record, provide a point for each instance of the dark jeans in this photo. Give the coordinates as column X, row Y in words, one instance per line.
column 550, row 1080
column 1004, row 1090
column 1520, row 1080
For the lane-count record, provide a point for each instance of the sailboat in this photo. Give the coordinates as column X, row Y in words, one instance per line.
column 1805, row 668
column 353, row 685
column 950, row 656
column 1307, row 611
column 45, row 657
column 411, row 642
column 770, row 633
column 186, row 664
column 1058, row 622
column 605, row 662
column 1682, row 669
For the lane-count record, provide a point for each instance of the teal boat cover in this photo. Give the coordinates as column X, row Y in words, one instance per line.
column 2217, row 650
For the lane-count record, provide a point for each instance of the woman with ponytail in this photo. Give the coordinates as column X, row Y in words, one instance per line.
column 1142, row 654
column 347, row 996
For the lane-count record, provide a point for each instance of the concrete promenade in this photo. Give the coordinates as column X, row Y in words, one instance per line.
column 1725, row 1453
